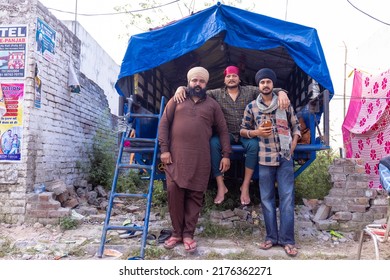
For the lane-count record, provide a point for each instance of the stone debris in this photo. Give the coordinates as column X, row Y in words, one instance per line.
column 50, row 242
column 331, row 223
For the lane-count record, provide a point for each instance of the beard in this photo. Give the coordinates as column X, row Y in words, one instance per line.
column 197, row 91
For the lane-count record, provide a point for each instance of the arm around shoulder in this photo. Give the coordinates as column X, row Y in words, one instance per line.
column 283, row 100
column 180, row 94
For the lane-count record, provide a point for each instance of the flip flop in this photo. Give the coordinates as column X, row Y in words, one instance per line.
column 164, row 235
column 290, row 250
column 171, row 242
column 130, row 234
column 266, row 245
column 189, row 246
column 151, row 239
column 127, row 222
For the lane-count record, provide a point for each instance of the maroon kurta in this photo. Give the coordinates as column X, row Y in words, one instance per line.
column 185, row 131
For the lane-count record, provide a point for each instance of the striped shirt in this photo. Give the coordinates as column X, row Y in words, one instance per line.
column 269, row 147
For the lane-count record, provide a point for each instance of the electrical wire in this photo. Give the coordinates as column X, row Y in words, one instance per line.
column 367, row 14
column 116, row 13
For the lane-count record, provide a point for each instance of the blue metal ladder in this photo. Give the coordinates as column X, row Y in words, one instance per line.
column 139, row 146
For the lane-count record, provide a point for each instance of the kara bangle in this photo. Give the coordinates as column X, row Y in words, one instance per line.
column 248, row 134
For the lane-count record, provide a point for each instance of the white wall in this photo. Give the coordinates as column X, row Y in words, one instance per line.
column 58, row 137
column 97, row 65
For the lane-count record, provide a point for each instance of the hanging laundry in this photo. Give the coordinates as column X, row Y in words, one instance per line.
column 366, row 127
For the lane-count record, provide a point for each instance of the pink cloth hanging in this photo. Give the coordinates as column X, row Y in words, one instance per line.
column 366, row 128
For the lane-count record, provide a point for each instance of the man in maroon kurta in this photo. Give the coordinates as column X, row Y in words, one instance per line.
column 185, row 130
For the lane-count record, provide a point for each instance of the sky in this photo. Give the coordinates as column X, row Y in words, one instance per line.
column 350, row 38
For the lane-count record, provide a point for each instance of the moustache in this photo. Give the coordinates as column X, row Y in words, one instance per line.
column 197, row 91
column 197, row 88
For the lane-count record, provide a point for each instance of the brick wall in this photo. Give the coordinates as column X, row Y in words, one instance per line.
column 58, row 137
column 352, row 205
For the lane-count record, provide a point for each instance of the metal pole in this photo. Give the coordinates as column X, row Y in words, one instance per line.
column 345, row 77
column 285, row 15
column 326, row 117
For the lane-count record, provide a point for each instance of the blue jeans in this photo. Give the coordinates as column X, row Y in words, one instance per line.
column 251, row 147
column 284, row 176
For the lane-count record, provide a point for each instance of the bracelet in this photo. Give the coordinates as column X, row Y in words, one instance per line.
column 248, row 134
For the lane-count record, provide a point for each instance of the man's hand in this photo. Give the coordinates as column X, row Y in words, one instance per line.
column 283, row 101
column 224, row 165
column 262, row 131
column 166, row 158
column 180, row 95
column 294, row 143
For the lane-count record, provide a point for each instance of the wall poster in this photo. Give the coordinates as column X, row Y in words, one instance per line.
column 13, row 44
column 11, row 123
column 46, row 40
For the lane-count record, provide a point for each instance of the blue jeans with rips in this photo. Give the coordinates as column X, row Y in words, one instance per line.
column 284, row 176
column 251, row 147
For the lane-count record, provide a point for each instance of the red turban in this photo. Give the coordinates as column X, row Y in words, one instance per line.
column 231, row 70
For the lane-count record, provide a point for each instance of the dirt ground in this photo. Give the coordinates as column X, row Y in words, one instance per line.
column 23, row 242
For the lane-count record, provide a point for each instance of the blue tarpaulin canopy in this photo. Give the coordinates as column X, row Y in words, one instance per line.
column 220, row 36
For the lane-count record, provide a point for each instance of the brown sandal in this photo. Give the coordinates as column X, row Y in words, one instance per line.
column 290, row 250
column 266, row 245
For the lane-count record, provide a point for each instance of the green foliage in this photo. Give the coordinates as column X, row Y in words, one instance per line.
column 67, row 223
column 147, row 17
column 5, row 247
column 208, row 202
column 79, row 164
column 154, row 252
column 213, row 230
column 147, row 14
column 102, row 160
column 131, row 182
column 314, row 181
column 159, row 194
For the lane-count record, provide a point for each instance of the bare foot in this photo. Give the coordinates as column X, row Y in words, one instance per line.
column 245, row 199
column 220, row 195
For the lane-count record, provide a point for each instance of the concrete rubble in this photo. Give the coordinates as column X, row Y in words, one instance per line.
column 329, row 226
column 48, row 241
